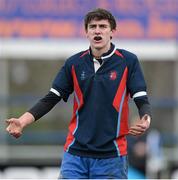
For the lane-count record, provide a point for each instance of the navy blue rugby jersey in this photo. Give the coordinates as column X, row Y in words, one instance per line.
column 99, row 124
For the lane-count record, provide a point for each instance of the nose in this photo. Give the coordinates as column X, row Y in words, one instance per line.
column 97, row 30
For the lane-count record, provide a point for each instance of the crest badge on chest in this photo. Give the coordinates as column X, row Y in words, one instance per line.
column 113, row 75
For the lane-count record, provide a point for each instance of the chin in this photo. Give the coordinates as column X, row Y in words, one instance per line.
column 99, row 46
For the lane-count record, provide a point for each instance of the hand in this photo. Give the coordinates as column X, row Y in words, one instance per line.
column 140, row 126
column 14, row 127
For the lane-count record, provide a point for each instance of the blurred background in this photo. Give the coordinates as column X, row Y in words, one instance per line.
column 37, row 36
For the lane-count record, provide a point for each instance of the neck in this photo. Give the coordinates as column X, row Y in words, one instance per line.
column 98, row 52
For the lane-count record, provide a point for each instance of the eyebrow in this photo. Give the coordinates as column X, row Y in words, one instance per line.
column 92, row 25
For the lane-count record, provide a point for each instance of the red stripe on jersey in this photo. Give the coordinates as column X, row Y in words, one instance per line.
column 118, row 53
column 122, row 145
column 86, row 52
column 77, row 105
column 124, row 128
column 72, row 126
column 69, row 140
column 120, row 91
column 77, row 87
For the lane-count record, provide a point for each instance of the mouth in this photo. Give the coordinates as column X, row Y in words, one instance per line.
column 97, row 38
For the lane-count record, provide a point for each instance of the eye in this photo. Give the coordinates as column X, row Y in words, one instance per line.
column 92, row 26
column 103, row 26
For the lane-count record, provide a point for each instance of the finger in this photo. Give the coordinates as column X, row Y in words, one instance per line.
column 145, row 124
column 16, row 135
column 137, row 128
column 135, row 133
column 7, row 129
column 8, row 121
column 142, row 126
column 132, row 133
column 145, row 117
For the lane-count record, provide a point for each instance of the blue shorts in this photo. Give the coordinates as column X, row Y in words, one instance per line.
column 76, row 167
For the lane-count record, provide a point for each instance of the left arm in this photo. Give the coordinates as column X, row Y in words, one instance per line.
column 137, row 88
column 143, row 123
column 140, row 126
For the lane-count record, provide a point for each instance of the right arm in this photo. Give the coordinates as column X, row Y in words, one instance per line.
column 44, row 105
column 16, row 125
column 62, row 87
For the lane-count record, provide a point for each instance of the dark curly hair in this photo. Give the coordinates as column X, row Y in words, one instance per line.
column 100, row 14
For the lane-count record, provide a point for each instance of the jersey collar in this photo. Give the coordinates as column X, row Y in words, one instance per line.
column 107, row 54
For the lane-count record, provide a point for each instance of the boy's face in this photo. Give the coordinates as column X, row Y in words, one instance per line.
column 99, row 34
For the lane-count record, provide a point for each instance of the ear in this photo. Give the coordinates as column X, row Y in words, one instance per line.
column 86, row 32
column 113, row 32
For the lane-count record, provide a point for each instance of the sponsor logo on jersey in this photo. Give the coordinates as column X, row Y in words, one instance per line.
column 83, row 75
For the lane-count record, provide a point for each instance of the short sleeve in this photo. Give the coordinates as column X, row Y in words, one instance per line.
column 136, row 82
column 63, row 83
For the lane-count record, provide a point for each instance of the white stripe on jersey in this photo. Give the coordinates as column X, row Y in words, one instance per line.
column 138, row 94
column 55, row 92
column 104, row 57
